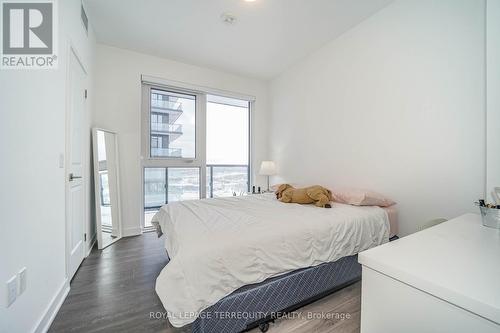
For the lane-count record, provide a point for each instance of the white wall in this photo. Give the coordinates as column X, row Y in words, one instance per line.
column 493, row 95
column 32, row 199
column 118, row 108
column 395, row 105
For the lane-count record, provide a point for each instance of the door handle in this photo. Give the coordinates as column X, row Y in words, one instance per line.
column 71, row 177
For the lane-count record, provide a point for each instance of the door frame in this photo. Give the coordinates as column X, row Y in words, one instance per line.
column 72, row 51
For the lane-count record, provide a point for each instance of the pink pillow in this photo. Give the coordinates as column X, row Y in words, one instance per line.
column 358, row 197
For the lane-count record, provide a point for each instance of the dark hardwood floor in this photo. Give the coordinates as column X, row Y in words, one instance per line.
column 113, row 291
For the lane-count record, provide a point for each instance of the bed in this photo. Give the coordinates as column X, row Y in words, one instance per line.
column 238, row 262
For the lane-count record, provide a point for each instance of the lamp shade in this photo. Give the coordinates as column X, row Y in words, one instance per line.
column 267, row 168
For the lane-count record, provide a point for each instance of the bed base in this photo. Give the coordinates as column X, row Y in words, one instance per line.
column 263, row 324
column 304, row 286
column 258, row 304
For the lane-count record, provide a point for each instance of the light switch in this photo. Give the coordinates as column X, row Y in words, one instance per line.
column 61, row 161
column 21, row 276
column 11, row 290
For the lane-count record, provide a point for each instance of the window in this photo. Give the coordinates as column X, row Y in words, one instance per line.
column 155, row 188
column 225, row 181
column 195, row 145
column 162, row 185
column 228, row 129
column 173, row 121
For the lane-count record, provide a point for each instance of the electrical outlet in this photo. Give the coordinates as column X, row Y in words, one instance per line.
column 11, row 290
column 21, row 277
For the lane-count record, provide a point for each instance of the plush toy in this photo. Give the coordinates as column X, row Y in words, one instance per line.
column 318, row 195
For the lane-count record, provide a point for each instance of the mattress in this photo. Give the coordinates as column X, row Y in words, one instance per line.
column 219, row 245
column 392, row 215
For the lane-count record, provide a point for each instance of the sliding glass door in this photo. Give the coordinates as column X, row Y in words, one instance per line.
column 169, row 184
column 194, row 146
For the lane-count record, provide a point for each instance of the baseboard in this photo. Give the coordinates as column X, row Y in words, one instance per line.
column 51, row 311
column 131, row 232
column 92, row 243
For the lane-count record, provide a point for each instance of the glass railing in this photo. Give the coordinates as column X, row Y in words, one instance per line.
column 184, row 184
column 163, row 127
column 226, row 180
column 176, row 106
column 166, row 152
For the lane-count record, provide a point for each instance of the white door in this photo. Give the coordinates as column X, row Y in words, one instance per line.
column 75, row 195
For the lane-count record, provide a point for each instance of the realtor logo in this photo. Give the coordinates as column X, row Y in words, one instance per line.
column 28, row 35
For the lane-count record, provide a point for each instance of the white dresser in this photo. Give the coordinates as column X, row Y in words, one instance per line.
column 443, row 279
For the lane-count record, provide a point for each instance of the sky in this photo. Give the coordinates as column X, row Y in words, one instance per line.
column 227, row 133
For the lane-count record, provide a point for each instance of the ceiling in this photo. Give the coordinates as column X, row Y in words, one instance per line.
column 267, row 37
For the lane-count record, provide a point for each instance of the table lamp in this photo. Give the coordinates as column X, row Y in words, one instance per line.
column 267, row 168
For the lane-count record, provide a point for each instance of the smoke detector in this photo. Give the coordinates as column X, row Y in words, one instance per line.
column 228, row 18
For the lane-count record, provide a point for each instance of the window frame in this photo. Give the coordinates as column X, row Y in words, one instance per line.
column 199, row 161
column 200, row 122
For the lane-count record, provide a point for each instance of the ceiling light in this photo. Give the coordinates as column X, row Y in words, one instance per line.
column 228, row 18
column 249, row 0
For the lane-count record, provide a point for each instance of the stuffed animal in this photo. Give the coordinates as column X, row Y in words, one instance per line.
column 318, row 195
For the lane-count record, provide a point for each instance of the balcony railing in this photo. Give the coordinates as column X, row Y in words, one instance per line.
column 175, row 106
column 172, row 109
column 166, row 128
column 222, row 180
column 227, row 179
column 166, row 152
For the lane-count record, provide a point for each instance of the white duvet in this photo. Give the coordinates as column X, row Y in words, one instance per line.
column 219, row 245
